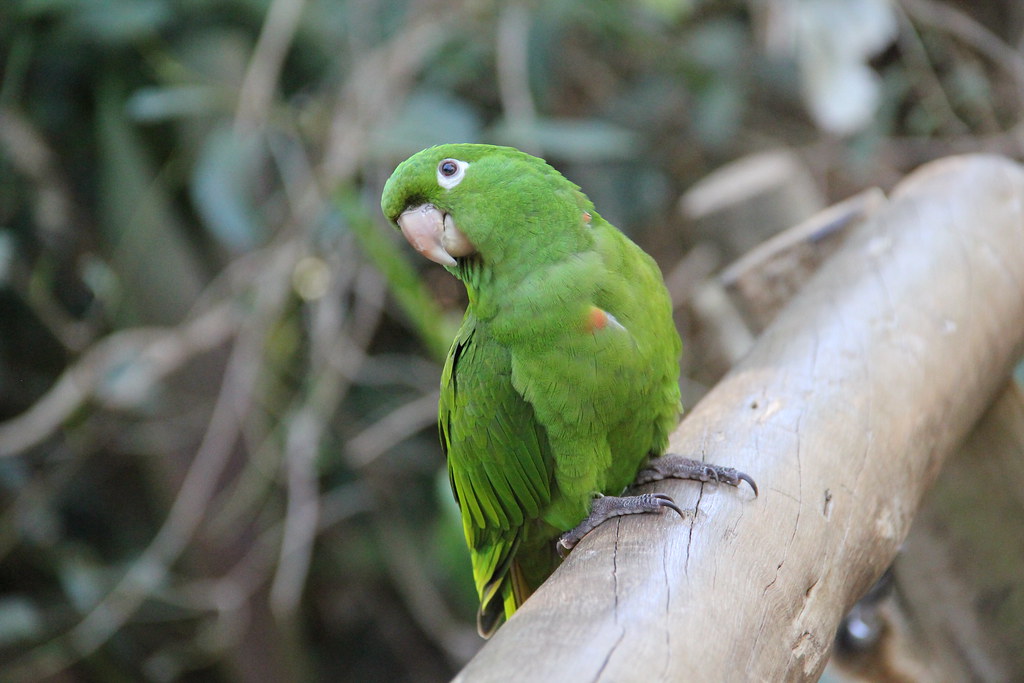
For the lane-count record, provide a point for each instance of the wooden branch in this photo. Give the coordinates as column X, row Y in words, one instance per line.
column 843, row 412
column 734, row 307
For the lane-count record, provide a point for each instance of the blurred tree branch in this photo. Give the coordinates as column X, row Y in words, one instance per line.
column 943, row 16
column 117, row 371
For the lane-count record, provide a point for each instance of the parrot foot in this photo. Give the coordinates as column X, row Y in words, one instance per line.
column 607, row 507
column 670, row 466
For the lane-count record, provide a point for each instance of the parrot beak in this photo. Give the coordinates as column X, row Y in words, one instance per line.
column 434, row 234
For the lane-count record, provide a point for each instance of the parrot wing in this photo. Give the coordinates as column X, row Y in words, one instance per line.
column 499, row 464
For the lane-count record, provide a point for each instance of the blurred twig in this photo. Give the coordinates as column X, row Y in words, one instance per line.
column 228, row 595
column 150, row 353
column 260, row 82
column 30, row 153
column 512, row 55
column 236, row 394
column 392, row 429
column 932, row 92
column 305, row 430
column 306, row 427
column 150, row 569
column 960, row 25
column 428, row 608
column 53, row 211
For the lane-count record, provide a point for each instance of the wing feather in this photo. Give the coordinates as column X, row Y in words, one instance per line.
column 499, row 464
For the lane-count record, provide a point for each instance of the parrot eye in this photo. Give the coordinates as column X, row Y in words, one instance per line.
column 450, row 173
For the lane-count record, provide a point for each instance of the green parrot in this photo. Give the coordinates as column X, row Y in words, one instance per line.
column 563, row 381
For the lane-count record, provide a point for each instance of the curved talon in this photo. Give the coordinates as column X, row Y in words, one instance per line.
column 733, row 477
column 609, row 507
column 747, row 478
column 666, row 501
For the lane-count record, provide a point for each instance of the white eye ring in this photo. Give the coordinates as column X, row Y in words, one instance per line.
column 448, row 178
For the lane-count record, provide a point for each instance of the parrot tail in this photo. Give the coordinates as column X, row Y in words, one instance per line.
column 512, row 589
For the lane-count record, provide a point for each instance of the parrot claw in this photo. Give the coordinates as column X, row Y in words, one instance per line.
column 608, row 507
column 672, row 466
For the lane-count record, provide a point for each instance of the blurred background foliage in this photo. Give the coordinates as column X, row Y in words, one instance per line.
column 218, row 364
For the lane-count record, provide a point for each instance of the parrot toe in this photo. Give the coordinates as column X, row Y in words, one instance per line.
column 672, row 466
column 608, row 507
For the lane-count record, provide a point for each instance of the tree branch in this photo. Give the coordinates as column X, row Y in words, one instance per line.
column 843, row 411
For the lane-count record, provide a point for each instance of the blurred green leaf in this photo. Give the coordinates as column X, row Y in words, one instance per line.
column 8, row 254
column 718, row 113
column 222, row 187
column 428, row 118
column 669, row 10
column 106, row 21
column 20, row 620
column 146, row 241
column 584, row 140
column 33, row 8
column 156, row 104
column 717, row 52
column 85, row 582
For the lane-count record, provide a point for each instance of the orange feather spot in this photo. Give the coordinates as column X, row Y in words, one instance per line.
column 587, row 217
column 597, row 319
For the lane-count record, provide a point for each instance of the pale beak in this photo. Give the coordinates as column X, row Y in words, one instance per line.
column 434, row 234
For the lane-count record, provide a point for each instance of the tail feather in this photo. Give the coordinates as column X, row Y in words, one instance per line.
column 512, row 589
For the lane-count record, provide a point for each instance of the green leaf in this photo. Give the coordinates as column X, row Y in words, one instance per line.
column 8, row 254
column 20, row 620
column 428, row 118
column 109, row 22
column 144, row 239
column 157, row 104
column 222, row 187
column 583, row 140
column 84, row 581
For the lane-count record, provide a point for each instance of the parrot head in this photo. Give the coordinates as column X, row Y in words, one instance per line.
column 467, row 200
